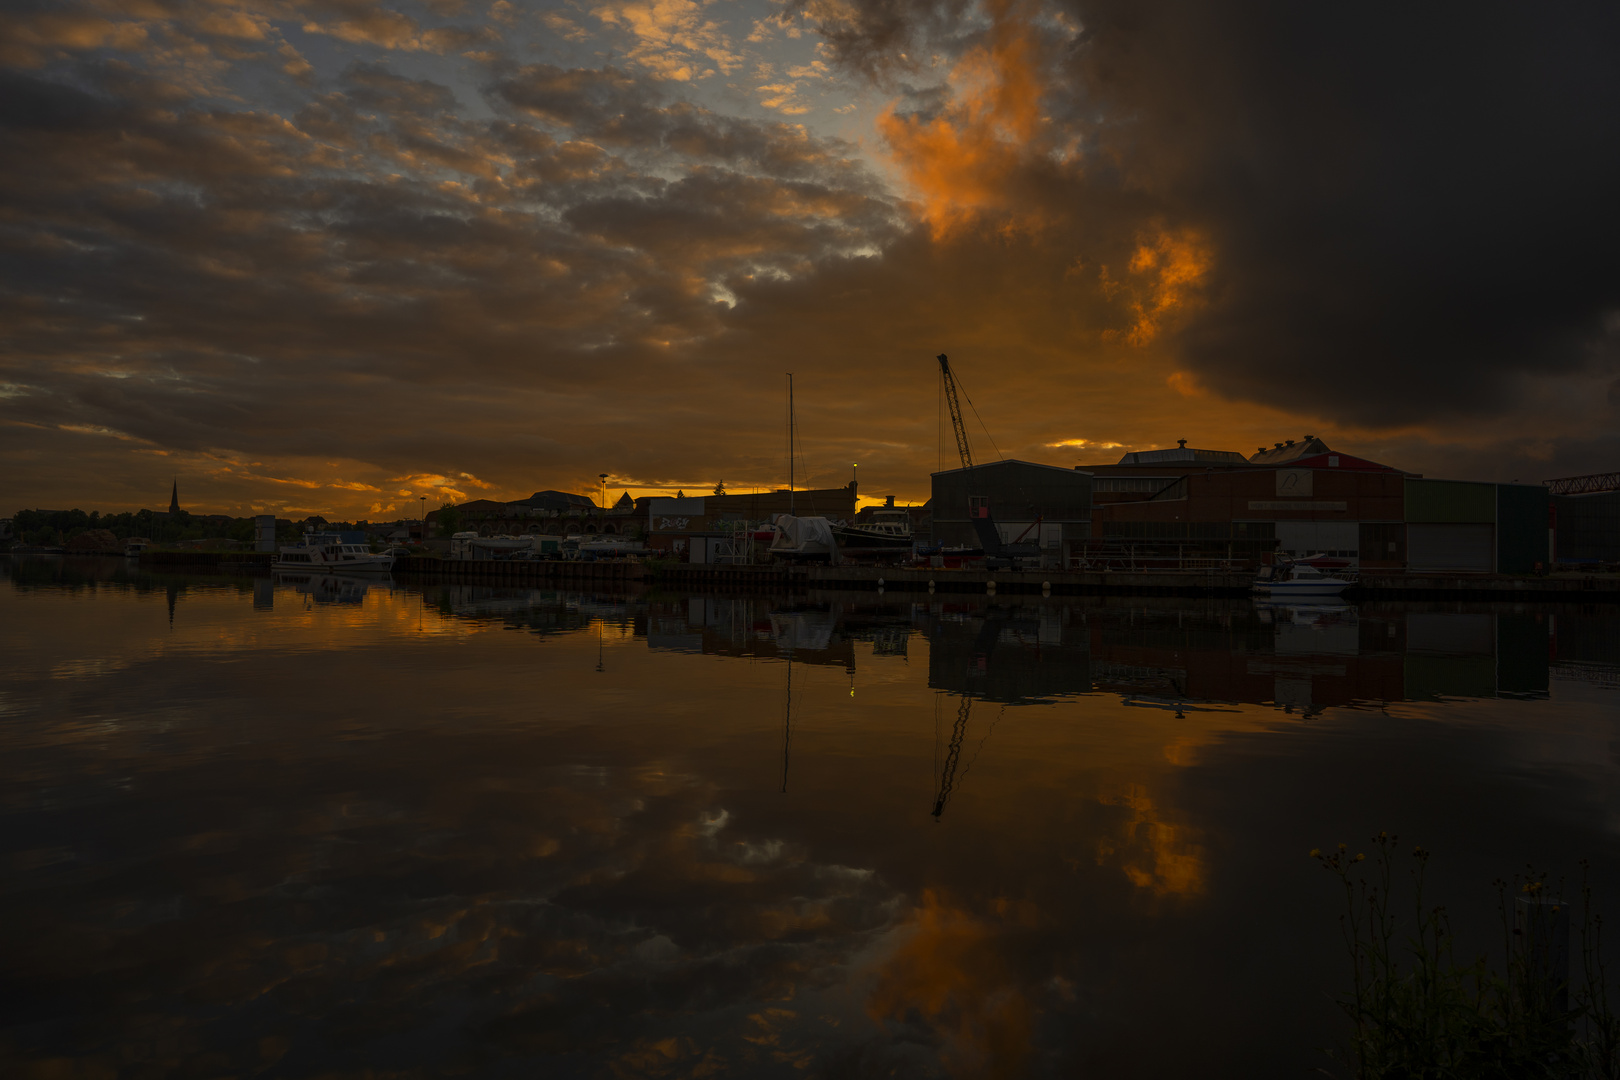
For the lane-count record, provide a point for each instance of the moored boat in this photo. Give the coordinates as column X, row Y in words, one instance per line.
column 327, row 553
column 803, row 538
column 1299, row 580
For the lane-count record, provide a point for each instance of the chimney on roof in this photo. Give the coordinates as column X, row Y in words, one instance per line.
column 1182, row 443
column 1261, row 450
column 1290, row 442
column 1308, row 438
column 1276, row 446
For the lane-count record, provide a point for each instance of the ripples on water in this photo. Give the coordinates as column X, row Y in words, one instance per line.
column 298, row 829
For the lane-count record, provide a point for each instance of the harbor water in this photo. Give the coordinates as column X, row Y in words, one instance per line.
column 318, row 827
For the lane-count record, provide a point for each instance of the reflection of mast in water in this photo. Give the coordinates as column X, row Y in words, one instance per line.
column 947, row 776
column 787, row 723
column 599, row 664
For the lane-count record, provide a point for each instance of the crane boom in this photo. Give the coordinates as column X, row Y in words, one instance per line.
column 957, row 425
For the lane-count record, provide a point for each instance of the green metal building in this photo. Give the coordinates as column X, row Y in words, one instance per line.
column 1470, row 527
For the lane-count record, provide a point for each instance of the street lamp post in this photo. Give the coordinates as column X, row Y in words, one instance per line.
column 424, row 519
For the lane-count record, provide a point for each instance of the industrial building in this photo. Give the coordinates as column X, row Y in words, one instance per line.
column 1295, row 498
column 1585, row 518
column 1300, row 498
column 1047, row 505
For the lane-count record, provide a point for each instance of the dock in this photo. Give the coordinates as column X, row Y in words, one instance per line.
column 780, row 577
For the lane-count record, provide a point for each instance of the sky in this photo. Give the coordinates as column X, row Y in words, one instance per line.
column 337, row 256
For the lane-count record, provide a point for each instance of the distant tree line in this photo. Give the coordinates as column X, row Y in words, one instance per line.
column 50, row 528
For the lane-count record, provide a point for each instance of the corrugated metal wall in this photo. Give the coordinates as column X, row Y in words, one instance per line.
column 1521, row 527
column 1383, row 542
column 1457, row 501
column 1019, row 491
column 1588, row 527
column 1461, row 547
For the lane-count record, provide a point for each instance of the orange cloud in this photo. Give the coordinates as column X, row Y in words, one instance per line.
column 951, row 973
column 1171, row 267
column 961, row 160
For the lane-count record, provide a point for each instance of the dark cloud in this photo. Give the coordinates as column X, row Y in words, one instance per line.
column 879, row 38
column 1408, row 218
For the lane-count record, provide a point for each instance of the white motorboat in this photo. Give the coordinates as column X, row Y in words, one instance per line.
column 1290, row 581
column 327, row 553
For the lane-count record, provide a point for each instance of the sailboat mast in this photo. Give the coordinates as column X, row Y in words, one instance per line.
column 789, row 442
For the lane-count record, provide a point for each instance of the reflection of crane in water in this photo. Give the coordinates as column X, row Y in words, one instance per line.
column 787, row 723
column 947, row 776
column 953, row 753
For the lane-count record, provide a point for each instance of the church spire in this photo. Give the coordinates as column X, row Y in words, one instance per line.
column 174, row 498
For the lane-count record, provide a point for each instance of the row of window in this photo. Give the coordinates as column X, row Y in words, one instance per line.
column 1139, row 484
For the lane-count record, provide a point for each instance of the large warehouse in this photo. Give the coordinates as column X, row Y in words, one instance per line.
column 1047, row 505
column 1303, row 498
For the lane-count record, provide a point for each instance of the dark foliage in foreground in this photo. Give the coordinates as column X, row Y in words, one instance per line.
column 1415, row 1011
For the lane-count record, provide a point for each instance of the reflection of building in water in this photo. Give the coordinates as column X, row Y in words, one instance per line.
column 1586, row 646
column 1306, row 659
column 1007, row 653
column 1300, row 659
column 539, row 611
column 750, row 626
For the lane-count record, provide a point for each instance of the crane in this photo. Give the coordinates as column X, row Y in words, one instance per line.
column 957, row 424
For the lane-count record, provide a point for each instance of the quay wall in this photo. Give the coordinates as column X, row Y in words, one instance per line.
column 222, row 559
column 1580, row 588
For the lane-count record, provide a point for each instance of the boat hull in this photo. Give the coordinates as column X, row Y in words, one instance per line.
column 1288, row 590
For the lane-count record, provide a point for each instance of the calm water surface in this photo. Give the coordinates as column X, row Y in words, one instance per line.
column 262, row 828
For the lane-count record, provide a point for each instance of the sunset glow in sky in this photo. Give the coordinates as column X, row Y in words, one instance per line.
column 330, row 256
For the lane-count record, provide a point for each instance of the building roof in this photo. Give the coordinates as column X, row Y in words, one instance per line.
column 557, row 500
column 625, row 502
column 479, row 506
column 1185, row 454
column 1010, row 461
column 1285, row 452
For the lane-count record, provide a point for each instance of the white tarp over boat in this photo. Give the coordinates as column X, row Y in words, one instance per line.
column 803, row 536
